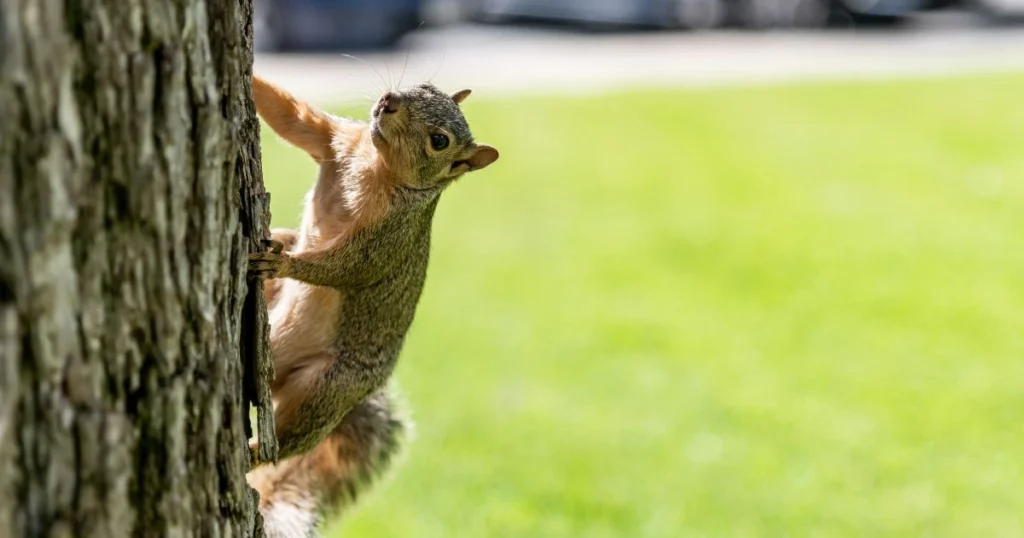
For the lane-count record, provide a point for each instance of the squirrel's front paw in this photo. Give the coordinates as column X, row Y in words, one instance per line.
column 274, row 245
column 269, row 264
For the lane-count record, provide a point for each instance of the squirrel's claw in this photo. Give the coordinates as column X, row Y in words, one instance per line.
column 267, row 264
column 274, row 245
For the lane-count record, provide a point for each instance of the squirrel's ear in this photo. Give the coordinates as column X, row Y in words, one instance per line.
column 461, row 96
column 482, row 156
column 474, row 157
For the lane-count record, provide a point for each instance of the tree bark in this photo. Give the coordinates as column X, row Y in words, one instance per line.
column 130, row 194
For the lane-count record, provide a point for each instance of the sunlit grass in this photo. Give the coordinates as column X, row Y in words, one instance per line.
column 791, row 311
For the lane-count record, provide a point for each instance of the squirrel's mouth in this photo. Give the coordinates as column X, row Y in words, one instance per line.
column 377, row 137
column 376, row 132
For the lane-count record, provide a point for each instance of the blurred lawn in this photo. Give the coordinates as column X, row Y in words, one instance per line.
column 792, row 311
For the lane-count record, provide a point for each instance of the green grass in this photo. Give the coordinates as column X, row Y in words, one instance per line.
column 786, row 311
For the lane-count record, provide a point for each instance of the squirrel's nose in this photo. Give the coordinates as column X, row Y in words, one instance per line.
column 389, row 103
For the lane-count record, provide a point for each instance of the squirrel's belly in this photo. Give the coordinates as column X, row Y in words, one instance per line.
column 302, row 324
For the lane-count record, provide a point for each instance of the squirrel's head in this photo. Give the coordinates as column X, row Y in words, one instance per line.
column 423, row 137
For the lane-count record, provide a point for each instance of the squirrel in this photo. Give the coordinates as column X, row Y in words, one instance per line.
column 342, row 290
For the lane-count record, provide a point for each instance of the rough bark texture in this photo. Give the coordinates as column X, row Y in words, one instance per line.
column 130, row 193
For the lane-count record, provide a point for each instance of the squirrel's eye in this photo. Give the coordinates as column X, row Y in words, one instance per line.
column 438, row 141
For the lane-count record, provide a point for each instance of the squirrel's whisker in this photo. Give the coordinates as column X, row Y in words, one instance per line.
column 371, row 68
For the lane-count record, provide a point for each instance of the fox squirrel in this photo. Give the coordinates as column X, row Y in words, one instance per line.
column 346, row 289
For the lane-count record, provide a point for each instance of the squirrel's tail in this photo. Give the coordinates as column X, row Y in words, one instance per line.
column 296, row 494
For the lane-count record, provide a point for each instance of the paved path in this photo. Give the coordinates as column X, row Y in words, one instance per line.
column 497, row 60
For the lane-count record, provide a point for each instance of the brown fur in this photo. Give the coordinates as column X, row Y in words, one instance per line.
column 350, row 278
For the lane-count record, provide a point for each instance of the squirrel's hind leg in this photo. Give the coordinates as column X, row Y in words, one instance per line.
column 313, row 399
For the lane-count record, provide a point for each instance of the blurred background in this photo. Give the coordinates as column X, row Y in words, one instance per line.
column 333, row 24
column 745, row 268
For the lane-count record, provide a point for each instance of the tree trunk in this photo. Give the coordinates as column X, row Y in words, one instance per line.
column 130, row 194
